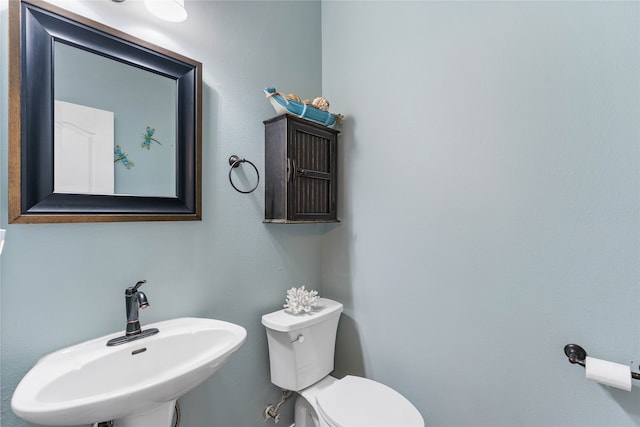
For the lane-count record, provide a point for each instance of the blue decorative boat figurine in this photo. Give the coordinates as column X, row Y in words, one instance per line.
column 292, row 104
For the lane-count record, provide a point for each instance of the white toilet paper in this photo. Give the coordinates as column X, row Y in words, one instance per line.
column 608, row 373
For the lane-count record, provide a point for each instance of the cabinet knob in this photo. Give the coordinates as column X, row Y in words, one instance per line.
column 291, row 169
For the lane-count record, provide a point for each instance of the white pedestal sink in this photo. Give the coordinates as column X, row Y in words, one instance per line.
column 136, row 383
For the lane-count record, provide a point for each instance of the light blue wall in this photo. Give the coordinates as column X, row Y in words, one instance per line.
column 490, row 206
column 64, row 283
column 490, row 201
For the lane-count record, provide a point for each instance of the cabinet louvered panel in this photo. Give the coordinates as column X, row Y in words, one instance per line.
column 312, row 173
column 300, row 171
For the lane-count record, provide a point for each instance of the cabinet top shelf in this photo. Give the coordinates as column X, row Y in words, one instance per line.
column 304, row 121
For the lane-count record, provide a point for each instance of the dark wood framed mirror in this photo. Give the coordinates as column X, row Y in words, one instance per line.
column 41, row 38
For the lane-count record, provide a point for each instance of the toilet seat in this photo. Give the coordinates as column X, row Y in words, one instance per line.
column 356, row 401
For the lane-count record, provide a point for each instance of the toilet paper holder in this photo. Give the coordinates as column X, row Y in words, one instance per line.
column 577, row 355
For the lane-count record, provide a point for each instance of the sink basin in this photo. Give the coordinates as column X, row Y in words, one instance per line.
column 136, row 383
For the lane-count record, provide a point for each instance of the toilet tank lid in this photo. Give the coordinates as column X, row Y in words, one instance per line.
column 284, row 322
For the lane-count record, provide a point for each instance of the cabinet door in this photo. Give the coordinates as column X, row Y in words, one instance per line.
column 312, row 165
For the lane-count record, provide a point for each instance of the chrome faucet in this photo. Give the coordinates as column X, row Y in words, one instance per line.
column 134, row 300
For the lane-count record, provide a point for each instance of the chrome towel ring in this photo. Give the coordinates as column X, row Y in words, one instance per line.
column 234, row 162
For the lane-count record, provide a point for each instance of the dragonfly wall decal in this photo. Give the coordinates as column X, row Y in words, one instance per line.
column 119, row 156
column 148, row 138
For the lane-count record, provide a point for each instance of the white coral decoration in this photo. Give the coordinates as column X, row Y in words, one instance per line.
column 299, row 301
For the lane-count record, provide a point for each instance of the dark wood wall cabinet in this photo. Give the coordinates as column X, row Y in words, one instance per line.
column 301, row 171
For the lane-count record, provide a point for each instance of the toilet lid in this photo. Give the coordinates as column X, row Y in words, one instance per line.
column 356, row 401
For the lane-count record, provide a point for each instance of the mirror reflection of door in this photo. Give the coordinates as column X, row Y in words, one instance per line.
column 83, row 149
column 138, row 99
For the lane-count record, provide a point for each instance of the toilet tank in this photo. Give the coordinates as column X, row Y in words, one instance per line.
column 302, row 346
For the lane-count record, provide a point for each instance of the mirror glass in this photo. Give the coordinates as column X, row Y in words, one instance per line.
column 103, row 126
column 109, row 139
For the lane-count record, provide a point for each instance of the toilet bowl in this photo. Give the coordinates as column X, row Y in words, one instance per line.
column 301, row 352
column 354, row 401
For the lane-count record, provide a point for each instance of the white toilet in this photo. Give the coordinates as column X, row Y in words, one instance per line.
column 301, row 351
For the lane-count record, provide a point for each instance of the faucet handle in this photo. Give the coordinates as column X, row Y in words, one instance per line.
column 138, row 284
column 133, row 289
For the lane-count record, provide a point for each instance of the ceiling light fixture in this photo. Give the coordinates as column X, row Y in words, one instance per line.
column 168, row 10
